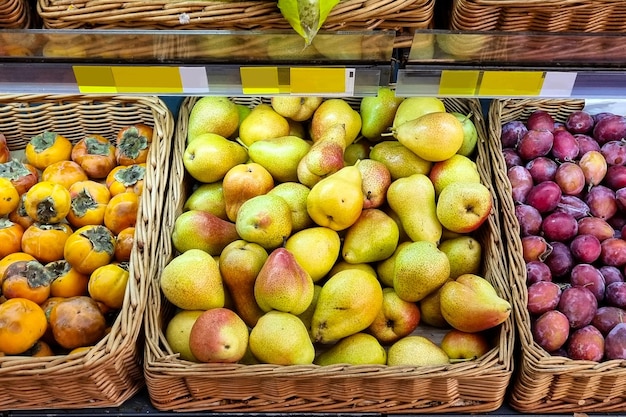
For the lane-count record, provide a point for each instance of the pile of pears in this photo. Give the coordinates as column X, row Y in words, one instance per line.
column 323, row 227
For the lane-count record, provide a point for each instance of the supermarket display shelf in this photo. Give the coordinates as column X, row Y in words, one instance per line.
column 140, row 405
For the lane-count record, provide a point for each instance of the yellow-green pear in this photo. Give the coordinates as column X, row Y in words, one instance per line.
column 282, row 284
column 373, row 237
column 335, row 111
column 316, row 262
column 348, row 303
column 420, row 269
column 295, row 107
column 197, row 229
column 470, row 135
column 463, row 207
column 212, row 114
column 337, row 200
column 375, row 181
column 377, row 113
column 413, row 200
column 241, row 183
column 307, row 315
column 280, row 156
column 177, row 333
column 192, row 281
column 263, row 123
column 385, row 268
column 356, row 349
column 209, row 198
column 430, row 310
column 209, row 157
column 399, row 160
column 416, row 351
column 264, row 219
column 433, row 136
column 471, row 304
column 295, row 194
column 457, row 168
column 281, row 338
column 240, row 262
column 414, row 107
column 325, row 157
column 341, row 265
column 357, row 151
column 464, row 254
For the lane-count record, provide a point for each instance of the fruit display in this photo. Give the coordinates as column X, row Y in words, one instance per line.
column 319, row 231
column 567, row 184
column 69, row 211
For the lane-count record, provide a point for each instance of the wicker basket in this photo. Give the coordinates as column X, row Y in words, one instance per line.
column 110, row 372
column 402, row 16
column 14, row 14
column 539, row 15
column 175, row 384
column 545, row 383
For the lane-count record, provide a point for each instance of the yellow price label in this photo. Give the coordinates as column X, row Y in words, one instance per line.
column 511, row 83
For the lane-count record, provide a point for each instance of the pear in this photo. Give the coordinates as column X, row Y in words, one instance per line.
column 373, row 237
column 241, row 183
column 414, row 107
column 262, row 123
column 280, row 156
column 298, row 130
column 201, row 290
column 356, row 349
column 470, row 135
column 457, row 168
column 433, row 136
column 209, row 198
column 212, row 114
column 177, row 333
column 342, row 265
column 281, row 338
column 416, row 351
column 375, row 180
column 337, row 200
column 377, row 113
column 464, row 254
column 471, row 304
column 264, row 219
column 420, row 269
column 335, row 111
column 324, row 158
column 197, row 229
column 295, row 194
column 430, row 309
column 357, row 151
column 240, row 262
column 307, row 315
column 400, row 161
column 326, row 243
column 413, row 200
column 295, row 107
column 282, row 284
column 348, row 303
column 385, row 268
column 209, row 157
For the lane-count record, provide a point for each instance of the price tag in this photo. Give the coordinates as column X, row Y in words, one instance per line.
column 151, row 80
column 94, row 79
column 259, row 80
column 458, row 83
column 322, row 81
column 511, row 83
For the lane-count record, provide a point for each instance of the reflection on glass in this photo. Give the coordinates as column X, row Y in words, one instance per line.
column 167, row 46
column 511, row 48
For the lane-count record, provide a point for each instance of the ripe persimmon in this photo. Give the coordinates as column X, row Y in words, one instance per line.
column 65, row 173
column 126, row 178
column 47, row 148
column 89, row 201
column 46, row 241
column 22, row 323
column 133, row 143
column 121, row 212
column 77, row 322
column 27, row 279
column 67, row 281
column 95, row 155
column 124, row 244
column 107, row 284
column 10, row 236
column 89, row 247
column 13, row 257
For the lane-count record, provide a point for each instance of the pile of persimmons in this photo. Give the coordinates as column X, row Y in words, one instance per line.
column 67, row 225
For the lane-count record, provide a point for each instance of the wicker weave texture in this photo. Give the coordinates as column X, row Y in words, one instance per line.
column 175, row 384
column 402, row 16
column 541, row 16
column 110, row 372
column 14, row 14
column 545, row 383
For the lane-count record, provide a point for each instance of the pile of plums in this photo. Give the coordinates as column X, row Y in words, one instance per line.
column 568, row 181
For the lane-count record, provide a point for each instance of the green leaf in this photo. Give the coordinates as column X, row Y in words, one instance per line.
column 306, row 17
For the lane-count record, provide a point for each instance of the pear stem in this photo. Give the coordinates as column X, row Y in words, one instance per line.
column 239, row 141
